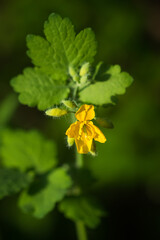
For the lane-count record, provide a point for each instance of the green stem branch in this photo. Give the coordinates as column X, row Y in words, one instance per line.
column 75, row 90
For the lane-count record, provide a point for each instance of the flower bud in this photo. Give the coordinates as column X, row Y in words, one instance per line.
column 83, row 79
column 84, row 69
column 69, row 104
column 56, row 112
column 70, row 141
column 73, row 74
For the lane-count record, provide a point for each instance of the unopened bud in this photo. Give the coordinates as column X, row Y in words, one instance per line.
column 73, row 74
column 83, row 79
column 69, row 104
column 56, row 112
column 84, row 69
column 93, row 149
column 104, row 122
column 70, row 141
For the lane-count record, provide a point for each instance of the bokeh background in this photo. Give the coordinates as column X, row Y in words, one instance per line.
column 128, row 165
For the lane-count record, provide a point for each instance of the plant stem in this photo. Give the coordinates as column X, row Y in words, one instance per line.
column 81, row 231
column 75, row 92
column 80, row 227
column 79, row 159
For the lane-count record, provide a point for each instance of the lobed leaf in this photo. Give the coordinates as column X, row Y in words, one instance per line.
column 43, row 56
column 52, row 188
column 25, row 150
column 69, row 49
column 110, row 82
column 12, row 181
column 36, row 88
column 82, row 209
column 43, row 86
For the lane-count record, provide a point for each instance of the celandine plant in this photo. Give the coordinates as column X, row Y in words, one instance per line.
column 63, row 81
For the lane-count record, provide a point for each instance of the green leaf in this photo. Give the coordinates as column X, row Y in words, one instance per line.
column 43, row 86
column 25, row 150
column 69, row 50
column 36, row 88
column 51, row 189
column 43, row 56
column 62, row 47
column 86, row 48
column 82, row 209
column 110, row 82
column 12, row 181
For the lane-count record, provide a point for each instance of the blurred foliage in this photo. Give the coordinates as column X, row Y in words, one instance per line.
column 127, row 34
column 27, row 150
column 82, row 209
column 42, row 196
column 12, row 181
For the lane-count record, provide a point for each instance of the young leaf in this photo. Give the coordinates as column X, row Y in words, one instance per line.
column 24, row 150
column 110, row 82
column 62, row 47
column 82, row 209
column 36, row 88
column 12, row 181
column 43, row 56
column 52, row 188
column 43, row 86
column 70, row 50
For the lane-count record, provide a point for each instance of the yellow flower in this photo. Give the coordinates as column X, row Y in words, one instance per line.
column 84, row 131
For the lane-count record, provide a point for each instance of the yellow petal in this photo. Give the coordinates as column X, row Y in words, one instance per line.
column 89, row 130
column 75, row 130
column 99, row 136
column 72, row 131
column 83, row 146
column 85, row 112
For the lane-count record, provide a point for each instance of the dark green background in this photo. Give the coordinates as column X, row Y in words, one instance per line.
column 128, row 165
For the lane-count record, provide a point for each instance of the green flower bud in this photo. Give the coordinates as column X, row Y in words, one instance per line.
column 56, row 112
column 70, row 141
column 84, row 69
column 73, row 74
column 83, row 79
column 69, row 104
